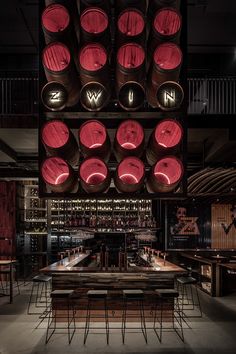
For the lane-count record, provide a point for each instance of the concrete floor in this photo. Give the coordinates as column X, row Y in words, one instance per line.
column 214, row 333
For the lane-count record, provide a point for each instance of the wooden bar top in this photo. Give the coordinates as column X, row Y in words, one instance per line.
column 68, row 265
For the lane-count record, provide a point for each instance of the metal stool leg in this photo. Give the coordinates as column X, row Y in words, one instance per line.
column 179, row 320
column 106, row 320
column 143, row 322
column 87, row 323
column 124, row 312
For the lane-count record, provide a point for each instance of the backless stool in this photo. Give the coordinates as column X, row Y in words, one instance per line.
column 189, row 302
column 172, row 314
column 64, row 298
column 133, row 296
column 95, row 296
column 39, row 296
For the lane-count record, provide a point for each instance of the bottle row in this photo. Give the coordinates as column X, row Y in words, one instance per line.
column 129, row 140
column 117, row 221
column 95, row 177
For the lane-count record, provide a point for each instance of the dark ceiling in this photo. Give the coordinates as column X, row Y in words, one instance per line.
column 211, row 48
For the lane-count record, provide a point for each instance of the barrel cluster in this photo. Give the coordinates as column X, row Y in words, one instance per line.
column 127, row 54
column 63, row 170
column 102, row 51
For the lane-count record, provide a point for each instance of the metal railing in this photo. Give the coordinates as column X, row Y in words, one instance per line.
column 18, row 96
column 212, row 96
column 206, row 96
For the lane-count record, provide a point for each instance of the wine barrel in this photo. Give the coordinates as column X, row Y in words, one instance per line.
column 129, row 140
column 164, row 140
column 102, row 4
column 140, row 5
column 93, row 63
column 94, row 24
column 58, row 66
column 130, row 64
column 130, row 175
column 71, row 6
column 94, row 96
column 94, row 175
column 54, row 96
column 58, row 140
column 167, row 60
column 58, row 175
column 131, row 27
column 165, row 175
column 166, row 27
column 155, row 5
column 94, row 140
column 56, row 24
column 131, row 96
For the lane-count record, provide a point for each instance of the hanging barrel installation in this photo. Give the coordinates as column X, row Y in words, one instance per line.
column 59, row 141
column 129, row 140
column 165, row 175
column 94, row 140
column 94, row 175
column 164, row 140
column 130, row 175
column 59, row 175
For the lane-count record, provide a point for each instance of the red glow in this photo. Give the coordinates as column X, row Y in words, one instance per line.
column 94, row 20
column 167, row 22
column 56, row 56
column 130, row 134
column 55, row 18
column 131, row 23
column 168, row 133
column 93, row 57
column 55, row 170
column 131, row 170
column 92, row 134
column 131, row 56
column 168, row 56
column 55, row 134
column 93, row 171
column 168, row 170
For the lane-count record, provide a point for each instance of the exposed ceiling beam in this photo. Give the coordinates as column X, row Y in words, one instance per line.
column 8, row 150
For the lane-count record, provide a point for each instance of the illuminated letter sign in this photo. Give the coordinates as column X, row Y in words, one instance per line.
column 170, row 96
column 54, row 96
column 94, row 96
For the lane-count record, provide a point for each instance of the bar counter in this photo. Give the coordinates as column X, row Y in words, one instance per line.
column 69, row 273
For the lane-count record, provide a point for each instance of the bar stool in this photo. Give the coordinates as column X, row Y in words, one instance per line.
column 185, row 286
column 36, row 299
column 93, row 296
column 132, row 296
column 53, row 314
column 171, row 296
column 6, row 272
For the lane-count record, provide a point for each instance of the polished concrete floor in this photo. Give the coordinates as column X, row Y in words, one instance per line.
column 214, row 333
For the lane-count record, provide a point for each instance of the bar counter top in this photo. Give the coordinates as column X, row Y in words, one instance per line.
column 71, row 265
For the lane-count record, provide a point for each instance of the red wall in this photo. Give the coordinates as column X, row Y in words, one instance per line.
column 7, row 218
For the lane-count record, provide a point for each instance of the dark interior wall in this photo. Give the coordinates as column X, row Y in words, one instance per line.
column 7, row 218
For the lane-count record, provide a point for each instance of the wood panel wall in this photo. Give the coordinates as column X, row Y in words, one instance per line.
column 223, row 226
column 7, row 218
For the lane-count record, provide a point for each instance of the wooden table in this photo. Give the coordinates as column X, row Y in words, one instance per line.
column 10, row 264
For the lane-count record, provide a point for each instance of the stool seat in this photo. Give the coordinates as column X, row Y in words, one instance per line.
column 133, row 293
column 7, row 270
column 97, row 293
column 167, row 292
column 186, row 280
column 62, row 293
column 41, row 278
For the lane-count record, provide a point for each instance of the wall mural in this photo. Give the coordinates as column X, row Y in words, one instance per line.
column 223, row 226
column 188, row 226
